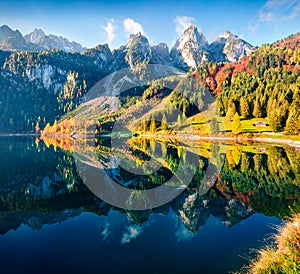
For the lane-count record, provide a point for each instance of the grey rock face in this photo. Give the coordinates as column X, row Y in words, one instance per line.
column 190, row 49
column 43, row 41
column 229, row 47
column 36, row 40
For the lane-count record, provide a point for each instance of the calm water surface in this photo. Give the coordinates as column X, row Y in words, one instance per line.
column 51, row 222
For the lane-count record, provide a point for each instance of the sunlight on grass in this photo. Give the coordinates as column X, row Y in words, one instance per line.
column 284, row 256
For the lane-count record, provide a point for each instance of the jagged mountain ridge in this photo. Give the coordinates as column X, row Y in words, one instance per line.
column 43, row 41
column 189, row 51
column 36, row 40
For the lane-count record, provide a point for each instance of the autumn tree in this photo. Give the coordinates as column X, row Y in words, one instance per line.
column 152, row 125
column 164, row 123
column 231, row 110
column 244, row 108
column 236, row 124
column 179, row 120
column 293, row 121
column 257, row 111
column 276, row 121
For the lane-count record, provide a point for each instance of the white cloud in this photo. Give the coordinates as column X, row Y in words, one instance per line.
column 279, row 11
column 106, row 232
column 183, row 234
column 131, row 233
column 132, row 27
column 182, row 23
column 110, row 30
column 266, row 17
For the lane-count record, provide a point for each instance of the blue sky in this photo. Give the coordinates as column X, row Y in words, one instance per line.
column 97, row 22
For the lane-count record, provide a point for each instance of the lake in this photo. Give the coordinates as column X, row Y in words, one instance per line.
column 224, row 202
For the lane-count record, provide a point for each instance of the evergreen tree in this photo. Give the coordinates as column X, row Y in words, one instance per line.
column 257, row 111
column 293, row 121
column 276, row 121
column 152, row 125
column 164, row 124
column 236, row 124
column 244, row 108
column 179, row 120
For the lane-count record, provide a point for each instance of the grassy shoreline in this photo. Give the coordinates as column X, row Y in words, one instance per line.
column 283, row 256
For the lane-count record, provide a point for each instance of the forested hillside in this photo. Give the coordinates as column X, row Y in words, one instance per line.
column 264, row 84
column 39, row 87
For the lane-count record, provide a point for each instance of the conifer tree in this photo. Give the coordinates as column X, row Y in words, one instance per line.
column 152, row 125
column 257, row 111
column 164, row 124
column 293, row 121
column 244, row 108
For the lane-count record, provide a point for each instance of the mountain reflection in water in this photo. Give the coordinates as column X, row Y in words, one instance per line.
column 41, row 185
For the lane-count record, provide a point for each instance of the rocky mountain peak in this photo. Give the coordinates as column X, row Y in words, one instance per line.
column 137, row 40
column 192, row 36
column 229, row 47
column 5, row 28
column 37, row 36
column 10, row 39
column 190, row 49
column 137, row 49
column 162, row 50
column 6, row 31
column 226, row 34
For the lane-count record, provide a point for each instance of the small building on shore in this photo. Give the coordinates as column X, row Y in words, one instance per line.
column 260, row 124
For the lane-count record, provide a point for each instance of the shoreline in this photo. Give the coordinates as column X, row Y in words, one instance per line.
column 230, row 138
column 285, row 141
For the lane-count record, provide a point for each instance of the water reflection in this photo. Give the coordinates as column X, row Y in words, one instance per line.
column 41, row 185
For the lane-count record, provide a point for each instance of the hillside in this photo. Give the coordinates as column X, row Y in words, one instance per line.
column 261, row 88
column 38, row 87
column 264, row 84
